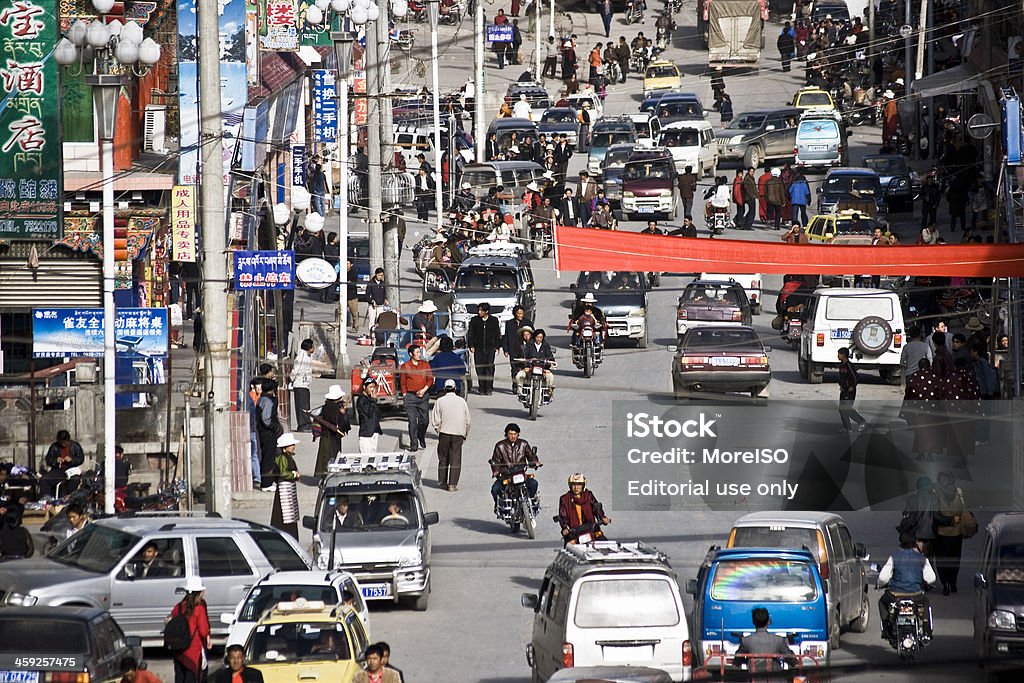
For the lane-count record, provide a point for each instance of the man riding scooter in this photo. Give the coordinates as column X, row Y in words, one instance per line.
column 580, row 513
column 538, row 347
column 716, row 206
column 511, row 451
column 907, row 573
column 586, row 313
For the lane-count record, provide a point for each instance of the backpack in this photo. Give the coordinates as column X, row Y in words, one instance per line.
column 177, row 633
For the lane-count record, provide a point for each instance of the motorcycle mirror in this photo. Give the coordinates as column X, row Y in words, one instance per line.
column 534, row 449
column 554, row 519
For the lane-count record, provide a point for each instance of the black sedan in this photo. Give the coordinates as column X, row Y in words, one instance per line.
column 561, row 121
column 56, row 642
column 721, row 359
column 899, row 182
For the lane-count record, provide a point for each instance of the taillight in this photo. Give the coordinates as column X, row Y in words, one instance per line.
column 66, row 677
column 567, row 656
column 796, row 151
column 897, row 340
column 737, row 316
column 754, row 360
column 819, row 339
column 694, row 360
column 687, row 653
column 681, row 314
column 823, row 567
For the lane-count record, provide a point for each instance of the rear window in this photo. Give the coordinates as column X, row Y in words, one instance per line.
column 561, row 116
column 625, row 603
column 711, row 296
column 857, row 307
column 480, row 178
column 818, row 129
column 263, row 598
column 679, row 110
column 43, row 637
column 279, row 553
column 764, row 580
column 775, row 537
column 661, row 72
column 723, row 340
column 612, row 138
column 686, row 137
column 814, row 99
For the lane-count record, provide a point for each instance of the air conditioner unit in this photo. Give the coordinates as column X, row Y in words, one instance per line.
column 155, row 129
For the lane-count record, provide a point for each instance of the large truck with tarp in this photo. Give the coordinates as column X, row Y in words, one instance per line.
column 733, row 30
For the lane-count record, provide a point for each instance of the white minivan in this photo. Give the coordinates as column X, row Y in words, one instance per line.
column 609, row 604
column 692, row 144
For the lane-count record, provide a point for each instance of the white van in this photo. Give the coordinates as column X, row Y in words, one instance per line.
column 868, row 322
column 692, row 144
column 413, row 140
column 608, row 603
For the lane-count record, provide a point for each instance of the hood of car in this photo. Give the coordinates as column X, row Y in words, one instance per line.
column 1007, row 596
column 617, row 303
column 40, row 574
column 646, row 187
column 375, row 547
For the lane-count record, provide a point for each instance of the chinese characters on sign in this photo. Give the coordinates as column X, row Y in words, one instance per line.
column 325, row 106
column 68, row 332
column 183, row 223
column 265, row 269
column 499, row 33
column 361, row 103
column 279, row 31
column 30, row 150
column 298, row 165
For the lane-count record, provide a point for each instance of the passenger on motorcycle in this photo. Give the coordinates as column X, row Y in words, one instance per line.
column 587, row 315
column 717, row 198
column 538, row 347
column 907, row 573
column 511, row 451
column 578, row 507
column 464, row 199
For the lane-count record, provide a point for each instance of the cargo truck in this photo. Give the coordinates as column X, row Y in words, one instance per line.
column 733, row 30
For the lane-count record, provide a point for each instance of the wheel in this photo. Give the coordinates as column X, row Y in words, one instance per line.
column 833, row 630
column 753, row 157
column 588, row 363
column 893, row 376
column 876, row 343
column 678, row 392
column 529, row 521
column 860, row 624
column 801, row 366
column 535, row 400
column 641, row 343
column 815, row 373
column 421, row 602
column 535, row 676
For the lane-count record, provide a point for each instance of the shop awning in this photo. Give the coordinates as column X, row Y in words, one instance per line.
column 959, row 79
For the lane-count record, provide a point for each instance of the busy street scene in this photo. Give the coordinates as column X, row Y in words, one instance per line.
column 507, row 341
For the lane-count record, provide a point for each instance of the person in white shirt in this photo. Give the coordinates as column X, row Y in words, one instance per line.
column 302, row 378
column 522, row 109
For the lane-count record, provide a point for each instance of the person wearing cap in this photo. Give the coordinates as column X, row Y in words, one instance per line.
column 587, row 306
column 425, row 327
column 775, row 198
column 285, row 513
column 334, row 425
column 369, row 417
column 464, row 200
column 417, row 379
column 450, row 417
column 190, row 664
column 522, row 108
column 585, row 117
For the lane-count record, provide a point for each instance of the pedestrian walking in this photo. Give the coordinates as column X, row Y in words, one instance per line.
column 450, row 417
column 316, row 183
column 368, row 415
column 962, row 397
column 550, row 69
column 483, row 338
column 255, row 391
column 375, row 670
column 585, row 117
column 848, row 392
column 931, row 194
column 775, row 198
column 587, row 193
column 334, row 425
column 955, row 523
column 606, row 16
column 351, row 288
column 517, row 43
column 920, row 515
column 424, row 195
column 787, row 45
column 750, row 196
column 284, row 515
column 417, row 379
column 717, row 83
column 737, row 197
column 799, row 196
column 301, row 379
column 622, row 55
column 268, row 428
column 687, row 184
column 235, row 670
column 376, row 298
column 190, row 663
column 595, row 62
column 569, row 209
column 725, row 107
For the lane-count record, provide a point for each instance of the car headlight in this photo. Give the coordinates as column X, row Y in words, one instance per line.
column 636, row 313
column 627, row 194
column 1003, row 620
column 411, row 560
column 22, row 600
column 735, row 139
column 902, row 183
column 665, row 193
column 458, row 308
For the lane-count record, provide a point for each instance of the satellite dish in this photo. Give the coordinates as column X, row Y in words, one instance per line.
column 980, row 126
column 906, row 31
column 316, row 273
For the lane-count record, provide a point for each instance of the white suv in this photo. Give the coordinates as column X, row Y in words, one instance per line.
column 869, row 322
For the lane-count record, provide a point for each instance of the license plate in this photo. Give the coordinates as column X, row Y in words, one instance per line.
column 19, row 677
column 585, row 538
column 817, row 148
column 588, row 333
column 518, row 478
column 645, row 209
column 615, row 333
column 630, row 654
column 538, row 371
column 725, row 361
column 372, row 592
column 842, row 334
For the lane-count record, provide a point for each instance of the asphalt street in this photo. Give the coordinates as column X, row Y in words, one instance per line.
column 475, row 629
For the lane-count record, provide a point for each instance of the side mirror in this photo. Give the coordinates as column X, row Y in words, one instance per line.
column 979, row 581
column 818, row 190
column 534, row 450
column 672, row 347
column 769, row 128
column 128, row 573
column 133, row 641
column 309, row 522
column 529, row 601
column 226, row 618
column 691, row 586
column 430, row 518
column 859, row 551
column 572, row 287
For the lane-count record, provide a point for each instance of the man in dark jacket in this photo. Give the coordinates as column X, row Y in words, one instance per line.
column 369, row 417
column 775, row 198
column 62, row 455
column 848, row 392
column 687, row 184
column 512, row 451
column 484, row 339
column 761, row 642
column 569, row 209
column 510, row 342
column 234, row 657
column 787, row 45
column 622, row 55
column 750, row 195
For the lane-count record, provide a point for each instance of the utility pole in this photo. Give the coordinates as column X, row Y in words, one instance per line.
column 907, row 49
column 479, row 132
column 871, row 40
column 433, row 11
column 373, row 144
column 389, row 230
column 217, row 436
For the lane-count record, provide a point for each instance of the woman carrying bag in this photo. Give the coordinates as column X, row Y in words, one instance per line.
column 285, row 514
column 955, row 522
column 190, row 663
column 333, row 425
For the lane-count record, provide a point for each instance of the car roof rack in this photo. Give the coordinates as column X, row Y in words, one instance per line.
column 360, row 463
column 615, row 551
column 167, row 513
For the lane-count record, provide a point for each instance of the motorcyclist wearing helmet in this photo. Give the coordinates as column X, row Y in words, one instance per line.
column 511, row 451
column 538, row 347
column 577, row 507
column 464, row 199
column 907, row 573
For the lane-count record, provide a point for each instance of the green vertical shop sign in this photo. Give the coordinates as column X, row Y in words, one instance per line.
column 30, row 146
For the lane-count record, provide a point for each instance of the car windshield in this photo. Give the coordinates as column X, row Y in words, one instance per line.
column 774, row 536
column 559, row 116
column 479, row 279
column 857, row 308
column 648, row 170
column 626, row 603
column 590, row 280
column 707, row 339
column 617, row 158
column 679, row 137
column 669, row 111
column 263, row 598
column 748, row 121
column 709, row 295
column 818, row 129
column 94, row 549
column 1010, row 564
column 764, row 580
column 814, row 99
column 859, row 186
column 369, row 511
column 846, row 225
column 887, row 165
column 611, row 138
column 43, row 636
column 661, row 71
column 298, row 641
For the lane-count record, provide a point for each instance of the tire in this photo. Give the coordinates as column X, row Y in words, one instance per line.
column 815, row 373
column 801, row 366
column 871, row 321
column 535, row 400
column 753, row 157
column 420, row 605
column 860, row 624
column 641, row 343
column 893, row 376
column 529, row 521
column 834, row 630
column 588, row 363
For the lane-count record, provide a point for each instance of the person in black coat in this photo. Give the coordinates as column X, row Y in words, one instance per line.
column 512, row 341
column 234, row 660
column 62, row 455
column 569, row 209
column 484, row 339
column 369, row 417
column 787, row 45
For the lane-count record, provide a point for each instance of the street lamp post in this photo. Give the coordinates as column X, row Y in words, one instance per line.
column 114, row 49
column 433, row 9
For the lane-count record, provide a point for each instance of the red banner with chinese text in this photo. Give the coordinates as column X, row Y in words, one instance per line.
column 589, row 249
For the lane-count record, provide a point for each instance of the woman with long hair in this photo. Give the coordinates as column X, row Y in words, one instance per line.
column 190, row 664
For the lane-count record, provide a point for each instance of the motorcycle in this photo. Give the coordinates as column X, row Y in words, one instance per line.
column 612, row 72
column 540, row 238
column 587, row 348
column 534, row 391
column 638, row 60
column 404, row 38
column 965, row 303
column 792, row 324
column 673, row 6
column 635, row 12
column 452, row 16
column 584, row 533
column 717, row 219
column 907, row 633
column 515, row 505
column 661, row 39
column 418, row 11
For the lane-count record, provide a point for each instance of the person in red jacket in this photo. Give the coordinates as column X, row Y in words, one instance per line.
column 190, row 664
column 737, row 196
column 577, row 507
